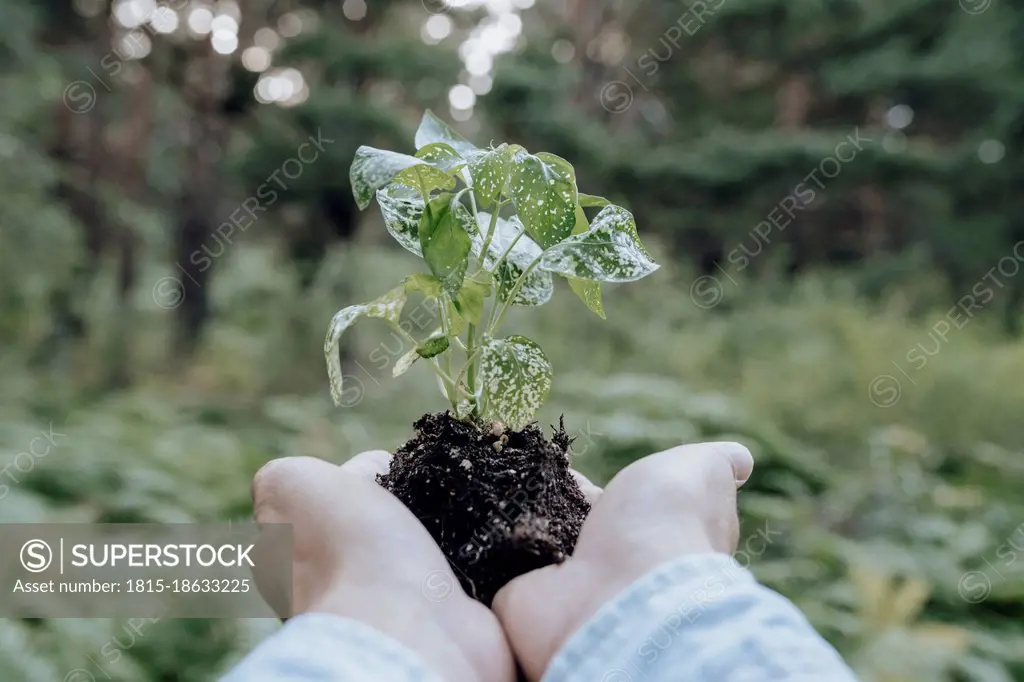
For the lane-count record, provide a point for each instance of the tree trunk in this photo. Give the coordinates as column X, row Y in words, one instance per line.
column 205, row 90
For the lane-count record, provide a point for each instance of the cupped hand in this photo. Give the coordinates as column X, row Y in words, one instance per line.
column 359, row 553
column 667, row 505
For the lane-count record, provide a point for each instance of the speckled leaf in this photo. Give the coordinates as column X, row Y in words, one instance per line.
column 590, row 200
column 489, row 169
column 432, row 347
column 441, row 156
column 388, row 307
column 608, row 252
column 445, row 241
column 516, row 378
column 538, row 287
column 374, row 168
column 342, row 320
column 432, row 129
column 544, row 192
column 475, row 290
column 402, row 209
column 425, row 178
column 587, row 291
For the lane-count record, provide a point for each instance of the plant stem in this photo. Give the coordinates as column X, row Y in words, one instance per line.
column 469, row 369
column 508, row 250
column 446, row 378
column 445, row 329
column 516, row 288
column 490, row 235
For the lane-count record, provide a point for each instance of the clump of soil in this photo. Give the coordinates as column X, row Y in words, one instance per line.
column 499, row 503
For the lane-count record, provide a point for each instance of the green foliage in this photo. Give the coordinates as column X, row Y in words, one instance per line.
column 508, row 236
column 862, row 502
column 475, row 256
column 883, row 511
column 402, row 209
column 490, row 169
column 609, row 251
column 373, row 169
column 445, row 241
column 516, row 379
column 544, row 192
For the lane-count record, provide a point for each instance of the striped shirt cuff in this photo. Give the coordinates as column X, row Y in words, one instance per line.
column 701, row 619
column 319, row 647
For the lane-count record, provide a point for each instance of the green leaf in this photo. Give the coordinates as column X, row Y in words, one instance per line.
column 475, row 290
column 374, row 168
column 590, row 293
column 433, row 346
column 432, row 129
column 445, row 242
column 456, row 322
column 587, row 291
column 516, row 378
column 544, row 192
column 425, row 178
column 428, row 285
column 538, row 287
column 489, row 170
column 590, row 200
column 441, row 156
column 402, row 208
column 609, row 251
column 388, row 307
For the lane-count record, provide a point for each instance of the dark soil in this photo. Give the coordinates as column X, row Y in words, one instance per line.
column 499, row 503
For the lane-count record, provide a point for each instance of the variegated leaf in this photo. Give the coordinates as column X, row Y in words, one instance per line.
column 515, row 377
column 442, row 157
column 543, row 189
column 587, row 291
column 342, row 320
column 489, row 169
column 374, row 168
column 538, row 287
column 609, row 251
column 388, row 307
column 432, row 129
column 402, row 209
column 425, row 178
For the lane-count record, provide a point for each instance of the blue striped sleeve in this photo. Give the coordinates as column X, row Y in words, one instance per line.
column 698, row 619
column 319, row 647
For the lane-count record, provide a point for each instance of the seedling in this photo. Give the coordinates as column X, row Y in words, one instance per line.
column 494, row 227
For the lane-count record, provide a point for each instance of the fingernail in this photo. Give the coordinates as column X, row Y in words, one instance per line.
column 739, row 457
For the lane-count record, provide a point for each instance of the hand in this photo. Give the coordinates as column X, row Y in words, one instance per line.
column 674, row 503
column 359, row 553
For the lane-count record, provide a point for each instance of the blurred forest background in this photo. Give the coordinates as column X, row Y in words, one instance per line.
column 834, row 188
